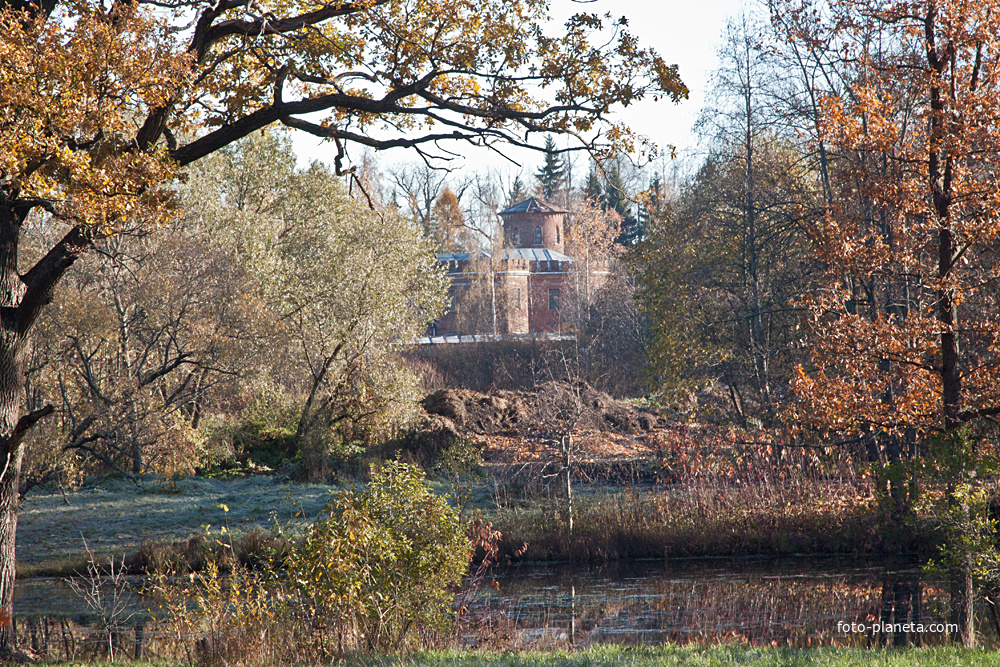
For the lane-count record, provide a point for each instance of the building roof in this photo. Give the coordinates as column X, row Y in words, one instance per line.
column 530, row 254
column 459, row 256
column 488, row 338
column 534, row 254
column 533, row 205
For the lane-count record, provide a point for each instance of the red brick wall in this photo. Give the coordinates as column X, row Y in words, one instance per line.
column 553, row 233
column 544, row 320
column 515, row 316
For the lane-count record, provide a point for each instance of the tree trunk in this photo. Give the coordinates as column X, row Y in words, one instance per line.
column 9, row 505
column 752, row 279
column 22, row 298
column 11, row 390
column 941, row 172
column 963, row 604
column 125, row 359
column 567, row 445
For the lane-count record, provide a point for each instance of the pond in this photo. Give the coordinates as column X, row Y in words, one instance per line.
column 788, row 602
column 798, row 602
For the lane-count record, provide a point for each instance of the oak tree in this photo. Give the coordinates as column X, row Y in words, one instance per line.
column 904, row 333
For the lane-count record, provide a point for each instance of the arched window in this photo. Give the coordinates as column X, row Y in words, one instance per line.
column 538, row 236
column 515, row 237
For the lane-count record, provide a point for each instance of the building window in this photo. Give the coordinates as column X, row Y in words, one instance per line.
column 517, row 297
column 538, row 236
column 553, row 299
column 557, row 234
column 516, row 237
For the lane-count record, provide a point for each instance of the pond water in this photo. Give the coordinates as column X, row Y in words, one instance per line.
column 795, row 602
column 787, row 602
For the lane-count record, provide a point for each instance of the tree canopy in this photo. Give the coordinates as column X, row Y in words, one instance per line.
column 127, row 93
column 910, row 237
column 342, row 288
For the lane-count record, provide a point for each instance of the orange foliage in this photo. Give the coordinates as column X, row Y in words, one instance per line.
column 905, row 332
column 71, row 90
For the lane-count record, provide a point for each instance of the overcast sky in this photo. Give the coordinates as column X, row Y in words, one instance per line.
column 685, row 32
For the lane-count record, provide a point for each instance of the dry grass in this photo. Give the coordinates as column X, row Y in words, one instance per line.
column 696, row 491
column 665, row 656
column 712, row 496
column 708, row 519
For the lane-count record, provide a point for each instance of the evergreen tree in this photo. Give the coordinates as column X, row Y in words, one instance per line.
column 653, row 204
column 517, row 193
column 593, row 189
column 616, row 199
column 550, row 176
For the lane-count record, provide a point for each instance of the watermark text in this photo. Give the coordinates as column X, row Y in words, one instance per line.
column 879, row 627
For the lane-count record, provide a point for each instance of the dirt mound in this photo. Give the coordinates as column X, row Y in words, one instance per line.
column 556, row 406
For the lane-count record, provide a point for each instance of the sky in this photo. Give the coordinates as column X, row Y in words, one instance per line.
column 685, row 32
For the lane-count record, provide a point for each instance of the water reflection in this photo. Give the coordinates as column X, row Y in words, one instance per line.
column 52, row 621
column 792, row 602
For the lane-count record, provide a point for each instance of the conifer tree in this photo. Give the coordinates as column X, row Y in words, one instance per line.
column 553, row 171
column 616, row 199
column 593, row 189
column 517, row 191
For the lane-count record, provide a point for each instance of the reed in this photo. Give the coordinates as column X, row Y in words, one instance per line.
column 712, row 517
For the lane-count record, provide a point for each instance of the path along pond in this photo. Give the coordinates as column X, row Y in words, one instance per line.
column 796, row 602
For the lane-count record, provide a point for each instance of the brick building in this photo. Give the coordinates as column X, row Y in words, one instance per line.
column 530, row 287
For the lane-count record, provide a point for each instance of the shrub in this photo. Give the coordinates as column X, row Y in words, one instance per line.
column 222, row 620
column 382, row 564
column 377, row 571
column 267, row 432
column 260, row 432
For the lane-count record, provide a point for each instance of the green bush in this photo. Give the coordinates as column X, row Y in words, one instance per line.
column 265, row 433
column 376, row 572
column 381, row 565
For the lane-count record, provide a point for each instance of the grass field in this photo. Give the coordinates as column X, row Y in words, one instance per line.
column 612, row 656
column 712, row 656
column 116, row 516
column 611, row 523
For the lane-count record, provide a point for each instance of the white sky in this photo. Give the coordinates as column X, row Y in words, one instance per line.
column 685, row 32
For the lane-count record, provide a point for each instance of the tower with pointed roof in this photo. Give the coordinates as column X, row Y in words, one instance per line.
column 534, row 223
column 532, row 278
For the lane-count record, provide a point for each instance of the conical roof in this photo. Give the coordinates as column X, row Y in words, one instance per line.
column 533, row 205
